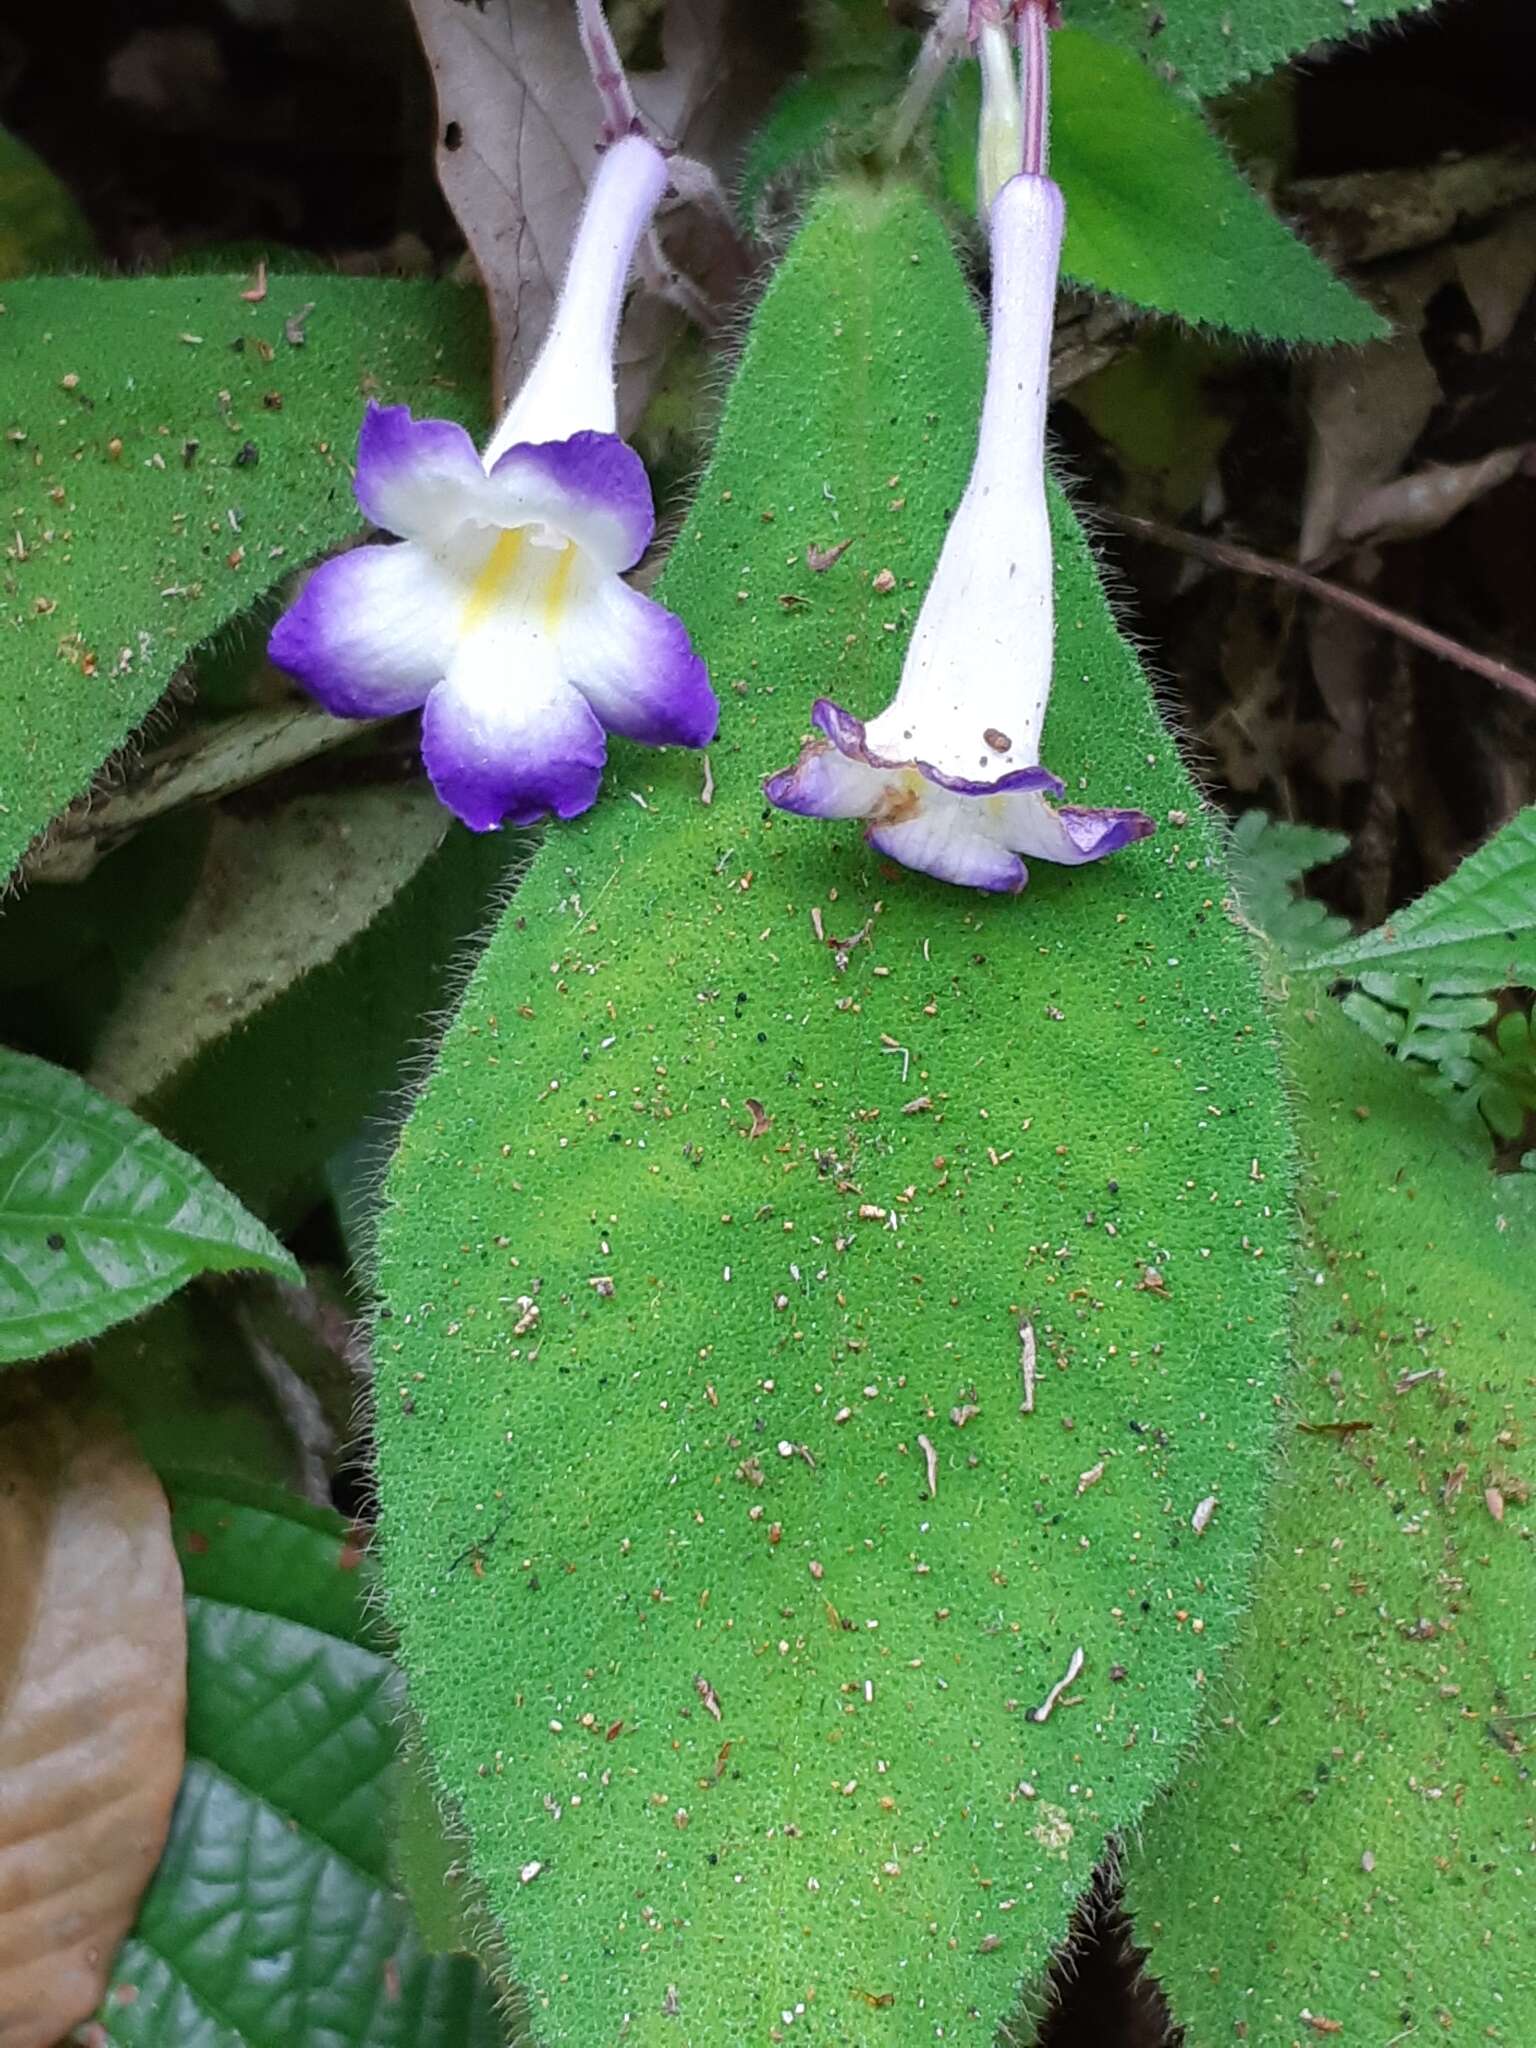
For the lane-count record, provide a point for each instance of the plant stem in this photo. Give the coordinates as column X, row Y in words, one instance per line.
column 620, row 114
column 1034, row 20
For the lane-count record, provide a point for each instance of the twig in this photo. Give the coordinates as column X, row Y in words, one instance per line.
column 1027, row 1356
column 1224, row 555
column 659, row 274
column 1048, row 1705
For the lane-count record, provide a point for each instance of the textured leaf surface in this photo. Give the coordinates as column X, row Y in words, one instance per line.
column 1157, row 212
column 277, row 897
column 1354, row 1841
column 101, row 1217
column 1213, row 45
column 1474, row 931
column 92, row 1645
column 168, row 453
column 430, row 1858
column 736, row 1713
column 271, row 1922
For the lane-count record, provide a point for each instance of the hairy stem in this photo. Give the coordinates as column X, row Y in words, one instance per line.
column 1034, row 19
column 620, row 114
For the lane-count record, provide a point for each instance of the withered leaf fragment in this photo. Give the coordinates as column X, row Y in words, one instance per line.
column 93, row 1676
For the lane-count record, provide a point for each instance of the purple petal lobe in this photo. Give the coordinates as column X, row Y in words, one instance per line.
column 1097, row 833
column 505, row 738
column 850, row 736
column 592, row 487
column 418, row 478
column 1072, row 834
column 972, row 833
column 371, row 631
column 825, row 783
column 633, row 662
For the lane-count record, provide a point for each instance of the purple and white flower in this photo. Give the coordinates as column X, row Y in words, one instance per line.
column 501, row 612
column 948, row 778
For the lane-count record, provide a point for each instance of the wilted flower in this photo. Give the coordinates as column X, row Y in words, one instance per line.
column 502, row 610
column 949, row 776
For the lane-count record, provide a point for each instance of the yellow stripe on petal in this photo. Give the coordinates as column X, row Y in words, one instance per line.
column 500, row 568
column 557, row 590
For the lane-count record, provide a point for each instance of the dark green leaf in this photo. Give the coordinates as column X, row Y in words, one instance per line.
column 100, row 1216
column 1157, row 212
column 272, row 1922
column 1415, row 1019
column 168, row 454
column 184, row 1381
column 268, row 1103
column 432, row 1857
column 41, row 228
column 1269, row 857
column 1473, row 932
column 1212, row 45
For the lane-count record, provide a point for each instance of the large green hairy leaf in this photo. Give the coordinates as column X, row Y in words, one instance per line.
column 1213, row 45
column 1354, row 1841
column 170, row 451
column 702, row 1249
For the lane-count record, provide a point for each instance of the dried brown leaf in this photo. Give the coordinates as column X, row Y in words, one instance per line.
column 1370, row 411
column 1424, row 500
column 518, row 121
column 92, row 1674
column 1497, row 271
column 1364, row 216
